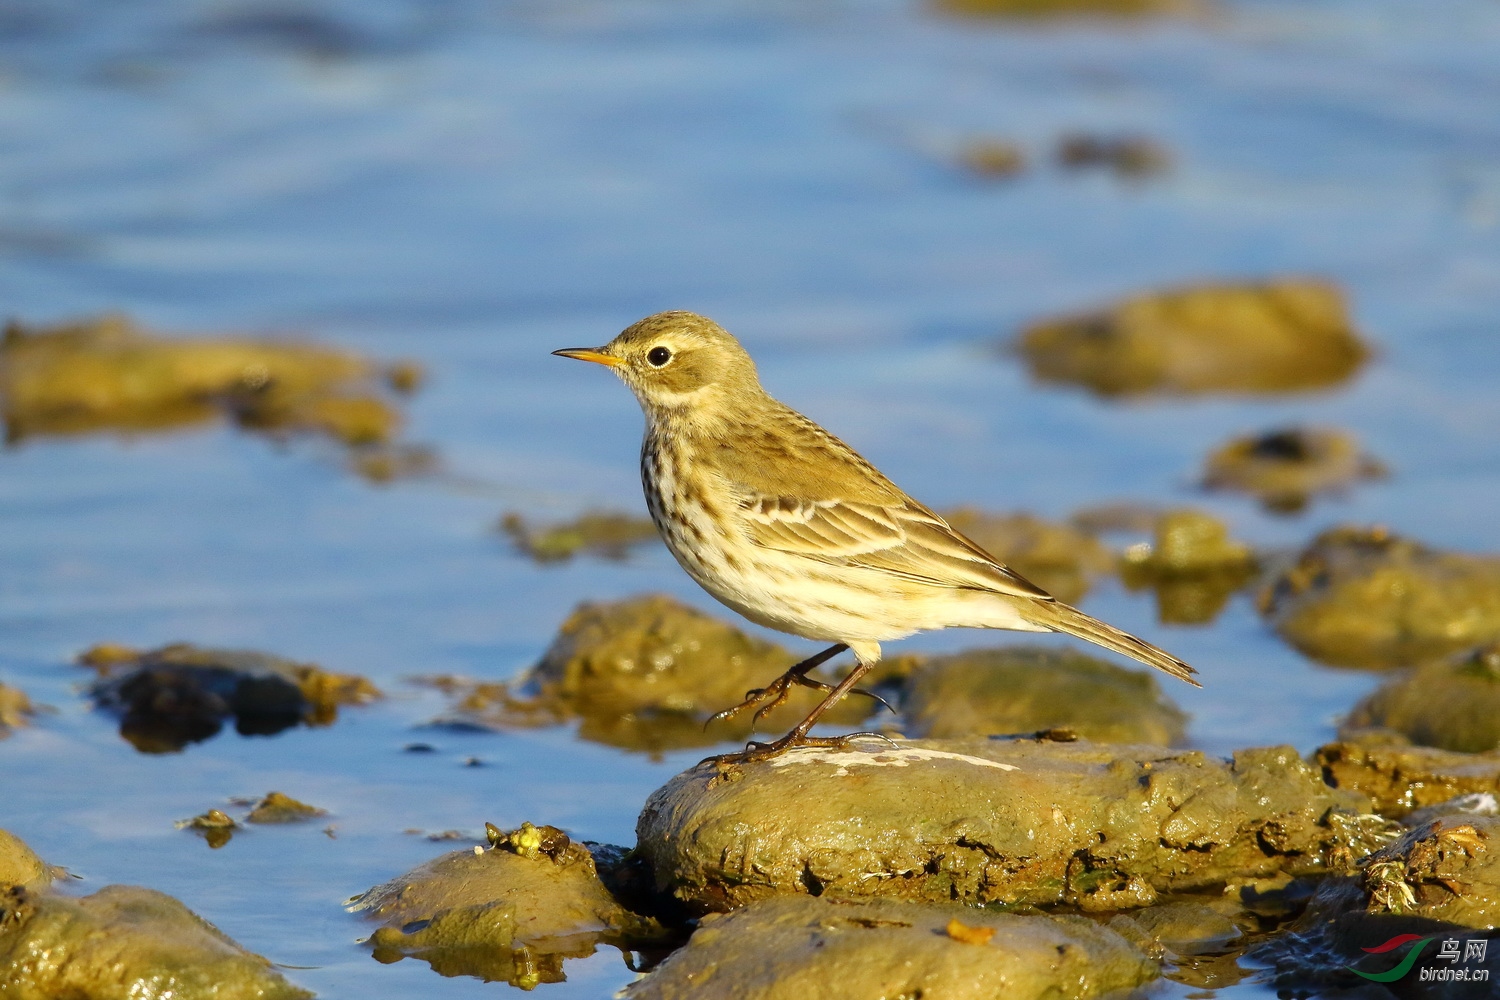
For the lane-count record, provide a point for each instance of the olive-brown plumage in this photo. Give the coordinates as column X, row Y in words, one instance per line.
column 789, row 526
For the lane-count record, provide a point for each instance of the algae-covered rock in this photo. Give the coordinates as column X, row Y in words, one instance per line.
column 108, row 374
column 644, row 673
column 1020, row 823
column 1059, row 558
column 1363, row 597
column 800, row 947
column 992, row 159
column 181, row 694
column 1025, row 689
column 606, row 534
column 16, row 710
column 1280, row 336
column 1452, row 706
column 1287, row 467
column 124, row 941
column 1185, row 928
column 1192, row 564
column 215, row 826
column 1408, row 917
column 1399, row 779
column 510, row 913
column 19, row 864
column 277, row 807
column 1129, row 156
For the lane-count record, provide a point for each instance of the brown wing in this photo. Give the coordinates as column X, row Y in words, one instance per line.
column 801, row 490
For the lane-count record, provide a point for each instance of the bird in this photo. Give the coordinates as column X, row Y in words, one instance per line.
column 786, row 524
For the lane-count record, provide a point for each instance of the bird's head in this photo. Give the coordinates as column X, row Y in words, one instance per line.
column 675, row 361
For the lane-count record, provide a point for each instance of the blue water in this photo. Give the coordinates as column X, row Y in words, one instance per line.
column 474, row 184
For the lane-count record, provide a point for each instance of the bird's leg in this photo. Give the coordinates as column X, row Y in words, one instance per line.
column 798, row 736
column 778, row 690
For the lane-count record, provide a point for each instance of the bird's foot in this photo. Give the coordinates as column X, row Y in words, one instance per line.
column 755, row 752
column 775, row 694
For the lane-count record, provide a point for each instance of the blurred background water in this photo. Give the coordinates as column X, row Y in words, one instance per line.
column 473, row 184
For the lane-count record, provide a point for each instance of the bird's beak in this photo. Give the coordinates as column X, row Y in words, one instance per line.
column 593, row 354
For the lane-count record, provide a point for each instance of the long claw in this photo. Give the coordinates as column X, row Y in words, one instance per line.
column 872, row 694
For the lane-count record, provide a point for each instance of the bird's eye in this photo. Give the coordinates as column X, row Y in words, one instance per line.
column 658, row 356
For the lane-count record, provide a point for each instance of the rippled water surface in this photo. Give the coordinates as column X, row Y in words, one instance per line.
column 474, row 184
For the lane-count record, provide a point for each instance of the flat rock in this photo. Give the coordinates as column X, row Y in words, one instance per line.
column 1024, row 689
column 1280, row 336
column 798, row 947
column 1453, row 705
column 1363, row 597
column 124, row 941
column 511, row 912
column 1399, row 778
column 1020, row 823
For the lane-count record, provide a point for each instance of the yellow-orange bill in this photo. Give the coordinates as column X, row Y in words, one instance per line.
column 593, row 354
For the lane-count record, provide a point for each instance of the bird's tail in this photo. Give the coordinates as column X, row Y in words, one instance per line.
column 1059, row 617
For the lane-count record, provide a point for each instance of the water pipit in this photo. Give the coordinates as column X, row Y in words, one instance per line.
column 784, row 523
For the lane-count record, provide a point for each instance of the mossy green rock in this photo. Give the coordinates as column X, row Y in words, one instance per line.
column 1399, row 779
column 1452, row 706
column 1025, row 689
column 124, row 941
column 796, row 947
column 1020, row 823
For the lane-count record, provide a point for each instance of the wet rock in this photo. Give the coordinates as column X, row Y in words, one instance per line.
column 992, row 159
column 181, row 694
column 1064, row 8
column 606, row 534
column 107, row 374
column 1285, row 468
column 215, row 826
column 1059, row 558
column 1281, row 336
column 1363, row 597
column 124, row 941
column 1192, row 564
column 644, row 673
column 16, row 710
column 1392, row 921
column 1399, row 779
column 19, row 864
column 1026, row 689
column 1128, row 156
column 1452, row 706
column 279, row 808
column 1019, row 823
column 1460, row 807
column 1186, row 928
column 800, row 947
column 509, row 913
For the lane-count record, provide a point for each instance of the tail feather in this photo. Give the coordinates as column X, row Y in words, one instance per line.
column 1060, row 617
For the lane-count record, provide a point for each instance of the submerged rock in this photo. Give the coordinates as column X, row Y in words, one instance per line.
column 215, row 826
column 512, row 912
column 279, row 808
column 19, row 864
column 1059, row 558
column 1363, row 597
column 1280, row 336
column 606, row 534
column 1018, row 823
column 644, row 673
column 1026, row 689
column 16, row 710
column 1192, row 564
column 1452, row 706
column 1399, row 779
column 181, row 694
column 124, row 941
column 107, row 374
column 1419, row 899
column 992, row 159
column 797, row 947
column 1285, row 468
column 1129, row 156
